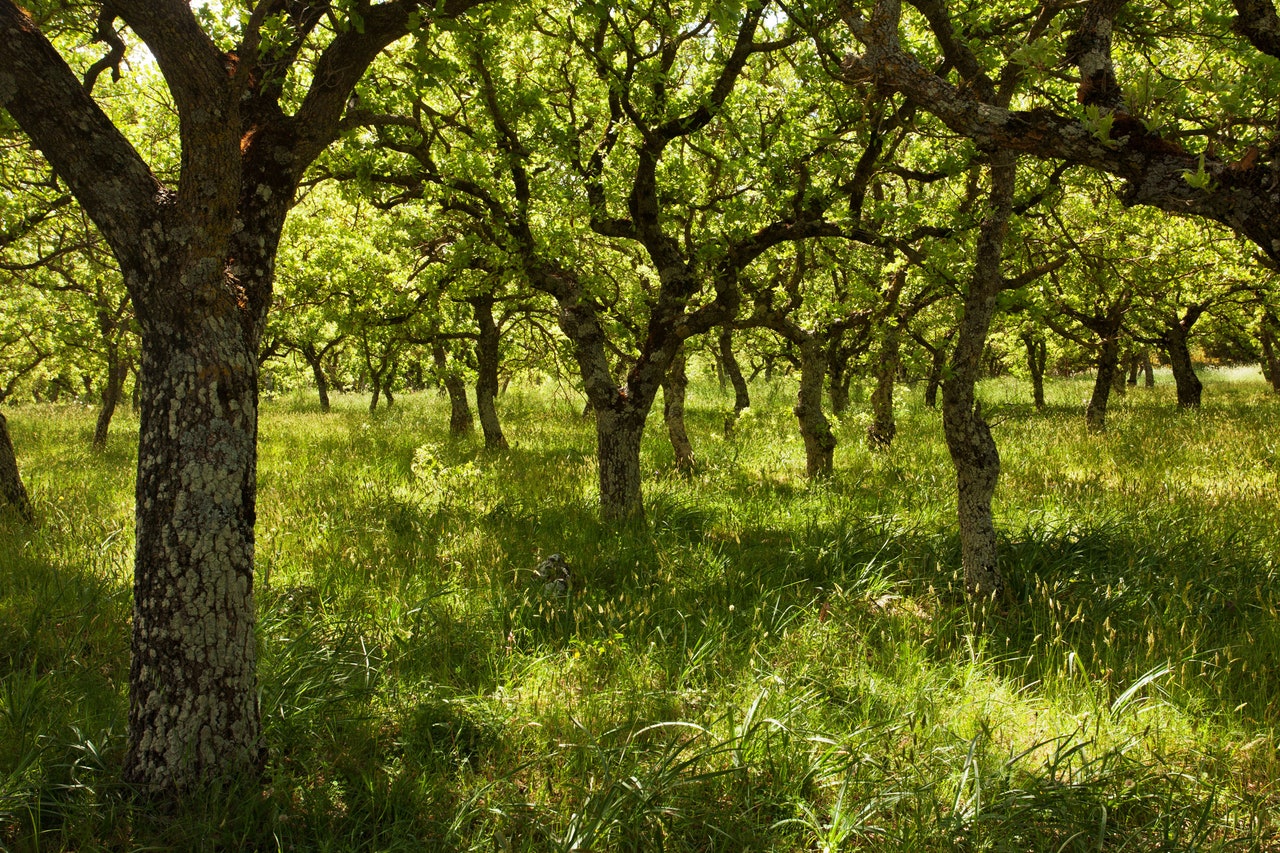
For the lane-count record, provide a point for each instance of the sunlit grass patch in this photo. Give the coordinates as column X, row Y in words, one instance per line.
column 764, row 663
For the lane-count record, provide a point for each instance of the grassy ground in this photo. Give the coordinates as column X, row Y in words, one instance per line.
column 764, row 664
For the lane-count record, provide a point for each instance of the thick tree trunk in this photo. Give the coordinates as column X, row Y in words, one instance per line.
column 673, row 396
column 1134, row 365
column 488, row 352
column 1148, row 371
column 729, row 360
column 11, row 488
column 883, row 426
column 1108, row 367
column 815, row 429
column 1037, row 357
column 973, row 451
column 198, row 261
column 193, row 710
column 112, row 389
column 618, row 437
column 1184, row 374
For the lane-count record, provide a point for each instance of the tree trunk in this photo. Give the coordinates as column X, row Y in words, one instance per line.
column 1117, row 376
column 112, row 389
column 937, row 367
column 198, row 262
column 1095, row 414
column 460, row 421
column 1184, row 375
column 840, row 383
column 1134, row 365
column 193, row 711
column 674, row 385
column 618, row 437
column 815, row 429
column 487, row 362
column 389, row 382
column 883, row 427
column 11, row 488
column 741, row 395
column 839, row 376
column 315, row 360
column 1270, row 354
column 1148, row 371
column 973, row 451
column 1037, row 357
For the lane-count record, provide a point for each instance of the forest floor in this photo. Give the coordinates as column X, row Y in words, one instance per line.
column 763, row 664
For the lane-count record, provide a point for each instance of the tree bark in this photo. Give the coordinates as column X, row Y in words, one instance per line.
column 973, row 451
column 1108, row 365
column 193, row 691
column 1148, row 371
column 1037, row 356
column 815, row 429
column 729, row 361
column 487, row 363
column 11, row 488
column 618, row 437
column 673, row 397
column 198, row 263
column 1184, row 375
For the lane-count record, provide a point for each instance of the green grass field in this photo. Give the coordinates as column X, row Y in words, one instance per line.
column 764, row 664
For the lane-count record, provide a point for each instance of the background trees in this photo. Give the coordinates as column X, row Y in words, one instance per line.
column 649, row 176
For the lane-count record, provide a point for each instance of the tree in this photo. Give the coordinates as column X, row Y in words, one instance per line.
column 11, row 488
column 1137, row 128
column 626, row 119
column 198, row 260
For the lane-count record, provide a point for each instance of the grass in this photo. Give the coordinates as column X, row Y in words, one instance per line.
column 765, row 664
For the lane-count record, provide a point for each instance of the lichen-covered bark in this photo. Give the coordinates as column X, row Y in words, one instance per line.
column 618, row 437
column 973, row 451
column 12, row 490
column 193, row 691
column 198, row 262
column 673, row 395
column 488, row 346
column 815, row 429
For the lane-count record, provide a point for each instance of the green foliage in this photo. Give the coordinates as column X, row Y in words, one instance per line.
column 763, row 664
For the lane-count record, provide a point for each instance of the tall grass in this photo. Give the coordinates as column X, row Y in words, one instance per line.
column 763, row 664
